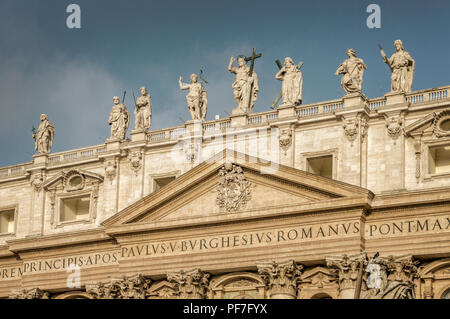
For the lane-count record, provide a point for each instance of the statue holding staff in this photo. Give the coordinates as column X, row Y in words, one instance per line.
column 402, row 67
column 197, row 101
column 119, row 120
column 292, row 83
column 44, row 135
column 353, row 70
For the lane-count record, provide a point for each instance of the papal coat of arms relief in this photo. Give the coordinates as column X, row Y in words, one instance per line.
column 234, row 190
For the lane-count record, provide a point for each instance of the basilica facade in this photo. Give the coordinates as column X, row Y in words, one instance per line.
column 347, row 198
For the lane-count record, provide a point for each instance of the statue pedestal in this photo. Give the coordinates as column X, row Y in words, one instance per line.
column 354, row 100
column 138, row 135
column 286, row 111
column 395, row 98
column 112, row 145
column 40, row 159
column 194, row 126
column 238, row 118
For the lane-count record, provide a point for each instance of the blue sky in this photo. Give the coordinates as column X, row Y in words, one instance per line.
column 72, row 75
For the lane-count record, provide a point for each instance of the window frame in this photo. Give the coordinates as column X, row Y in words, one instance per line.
column 72, row 195
column 10, row 208
column 426, row 146
column 155, row 177
column 329, row 152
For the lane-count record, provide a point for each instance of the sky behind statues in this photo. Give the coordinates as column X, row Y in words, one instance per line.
column 72, row 74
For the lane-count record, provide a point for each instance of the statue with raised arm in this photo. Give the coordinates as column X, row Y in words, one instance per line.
column 353, row 70
column 402, row 66
column 245, row 87
column 143, row 111
column 119, row 120
column 196, row 98
column 44, row 135
column 292, row 83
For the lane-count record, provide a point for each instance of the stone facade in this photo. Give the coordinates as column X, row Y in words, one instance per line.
column 384, row 191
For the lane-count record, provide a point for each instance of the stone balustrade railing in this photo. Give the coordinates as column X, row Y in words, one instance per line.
column 262, row 118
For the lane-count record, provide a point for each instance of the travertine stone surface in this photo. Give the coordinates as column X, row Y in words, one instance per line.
column 197, row 101
column 353, row 71
column 44, row 135
column 292, row 83
column 143, row 111
column 402, row 67
column 245, row 87
column 119, row 119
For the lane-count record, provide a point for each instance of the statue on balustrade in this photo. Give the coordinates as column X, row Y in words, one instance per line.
column 245, row 87
column 44, row 136
column 196, row 98
column 143, row 111
column 292, row 83
column 119, row 120
column 402, row 67
column 353, row 71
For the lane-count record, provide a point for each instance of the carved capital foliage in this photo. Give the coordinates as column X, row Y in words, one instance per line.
column 135, row 159
column 285, row 139
column 346, row 268
column 192, row 284
column 34, row 293
column 233, row 191
column 131, row 287
column 281, row 278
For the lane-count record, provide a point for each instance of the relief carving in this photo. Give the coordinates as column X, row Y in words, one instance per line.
column 346, row 268
column 285, row 139
column 281, row 278
column 37, row 180
column 135, row 159
column 110, row 169
column 441, row 124
column 350, row 127
column 192, row 284
column 131, row 287
column 234, row 191
column 34, row 293
column 394, row 126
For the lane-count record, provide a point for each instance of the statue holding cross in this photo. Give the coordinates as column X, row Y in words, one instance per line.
column 292, row 85
column 245, row 86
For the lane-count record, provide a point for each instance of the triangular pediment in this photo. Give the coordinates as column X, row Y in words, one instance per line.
column 232, row 185
column 430, row 125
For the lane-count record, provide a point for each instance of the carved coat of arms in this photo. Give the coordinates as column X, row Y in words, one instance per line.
column 233, row 191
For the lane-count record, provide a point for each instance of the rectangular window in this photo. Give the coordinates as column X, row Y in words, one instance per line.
column 7, row 221
column 322, row 166
column 75, row 208
column 161, row 182
column 439, row 160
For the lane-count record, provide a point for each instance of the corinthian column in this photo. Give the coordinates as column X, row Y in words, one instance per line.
column 192, row 284
column 281, row 278
column 347, row 268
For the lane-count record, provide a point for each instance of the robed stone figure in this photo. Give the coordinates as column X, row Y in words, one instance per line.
column 353, row 70
column 143, row 111
column 292, row 86
column 197, row 101
column 402, row 66
column 245, row 87
column 44, row 136
column 119, row 119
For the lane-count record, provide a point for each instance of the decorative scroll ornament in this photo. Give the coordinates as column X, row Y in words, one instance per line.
column 394, row 127
column 135, row 159
column 37, row 180
column 285, row 139
column 233, row 191
column 350, row 127
column 34, row 293
column 110, row 169
column 73, row 180
column 131, row 287
column 281, row 278
column 192, row 284
column 441, row 124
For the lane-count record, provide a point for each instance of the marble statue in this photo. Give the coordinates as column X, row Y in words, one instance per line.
column 143, row 111
column 402, row 66
column 196, row 98
column 353, row 70
column 44, row 136
column 119, row 120
column 245, row 86
column 292, row 83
